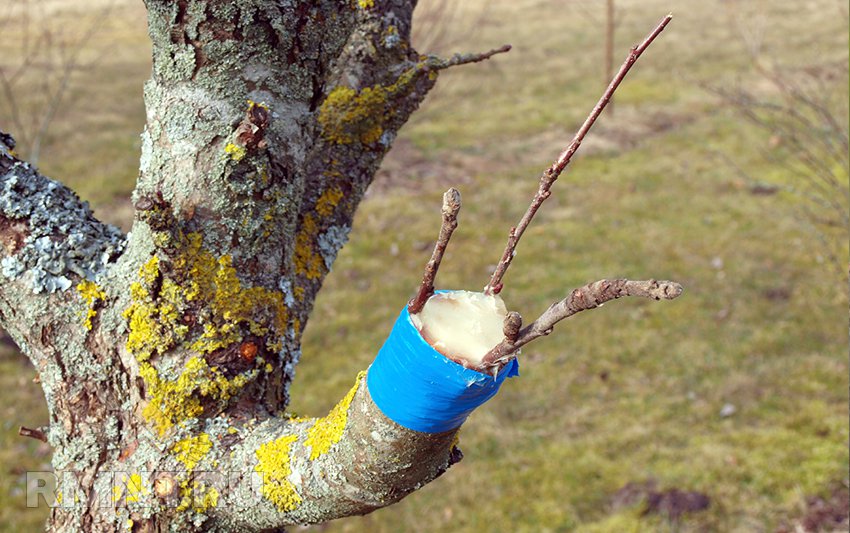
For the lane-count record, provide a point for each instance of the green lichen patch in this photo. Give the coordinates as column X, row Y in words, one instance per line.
column 63, row 241
column 327, row 431
column 93, row 295
column 273, row 464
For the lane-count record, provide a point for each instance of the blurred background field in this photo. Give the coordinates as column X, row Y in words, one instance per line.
column 628, row 418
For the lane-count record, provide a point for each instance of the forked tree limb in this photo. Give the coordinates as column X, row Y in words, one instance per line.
column 551, row 174
column 451, row 206
column 588, row 297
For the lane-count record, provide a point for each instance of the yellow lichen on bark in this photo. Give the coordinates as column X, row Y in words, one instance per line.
column 197, row 496
column 154, row 324
column 132, row 488
column 308, row 261
column 162, row 306
column 348, row 115
column 273, row 464
column 191, row 450
column 93, row 295
column 328, row 201
column 237, row 153
column 194, row 495
column 328, row 431
column 171, row 402
column 214, row 282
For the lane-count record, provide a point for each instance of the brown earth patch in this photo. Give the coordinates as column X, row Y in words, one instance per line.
column 830, row 514
column 671, row 503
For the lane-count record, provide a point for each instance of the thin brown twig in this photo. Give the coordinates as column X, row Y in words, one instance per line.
column 588, row 297
column 451, row 206
column 551, row 174
column 435, row 63
column 464, row 59
column 32, row 433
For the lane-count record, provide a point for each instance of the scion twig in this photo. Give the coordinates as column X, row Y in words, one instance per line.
column 451, row 206
column 588, row 297
column 551, row 174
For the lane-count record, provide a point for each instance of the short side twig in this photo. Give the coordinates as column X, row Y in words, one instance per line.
column 434, row 63
column 588, row 297
column 551, row 174
column 465, row 59
column 451, row 206
column 513, row 323
column 32, row 433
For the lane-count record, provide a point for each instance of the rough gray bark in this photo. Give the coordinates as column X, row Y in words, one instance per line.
column 165, row 355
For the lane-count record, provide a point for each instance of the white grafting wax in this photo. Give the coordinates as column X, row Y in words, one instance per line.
column 462, row 325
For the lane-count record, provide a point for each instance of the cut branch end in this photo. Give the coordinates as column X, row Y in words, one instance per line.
column 32, row 433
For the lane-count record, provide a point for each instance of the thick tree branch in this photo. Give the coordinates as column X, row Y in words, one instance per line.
column 57, row 302
column 51, row 242
column 375, row 463
column 552, row 173
column 588, row 297
column 451, row 207
column 266, row 121
column 245, row 475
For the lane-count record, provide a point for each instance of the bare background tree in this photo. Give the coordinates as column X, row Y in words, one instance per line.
column 808, row 136
column 805, row 120
column 52, row 56
column 602, row 16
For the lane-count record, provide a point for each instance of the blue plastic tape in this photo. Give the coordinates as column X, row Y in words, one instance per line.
column 421, row 389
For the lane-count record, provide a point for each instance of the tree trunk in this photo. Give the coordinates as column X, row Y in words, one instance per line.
column 166, row 355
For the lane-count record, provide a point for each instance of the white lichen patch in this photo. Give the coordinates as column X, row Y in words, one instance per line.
column 330, row 243
column 462, row 325
column 63, row 240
